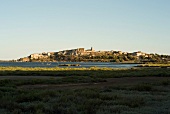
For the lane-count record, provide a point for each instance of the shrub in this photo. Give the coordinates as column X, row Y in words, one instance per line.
column 165, row 82
column 142, row 87
column 132, row 101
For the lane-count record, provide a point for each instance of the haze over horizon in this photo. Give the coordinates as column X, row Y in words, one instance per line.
column 28, row 27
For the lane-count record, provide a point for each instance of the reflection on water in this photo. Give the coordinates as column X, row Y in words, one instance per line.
column 56, row 64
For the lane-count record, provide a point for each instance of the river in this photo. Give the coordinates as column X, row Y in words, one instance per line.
column 56, row 64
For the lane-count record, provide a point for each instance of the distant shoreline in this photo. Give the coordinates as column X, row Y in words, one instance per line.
column 75, row 62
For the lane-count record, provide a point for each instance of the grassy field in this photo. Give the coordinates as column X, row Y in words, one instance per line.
column 93, row 71
column 84, row 91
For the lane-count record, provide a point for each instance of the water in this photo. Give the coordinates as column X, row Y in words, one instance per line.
column 56, row 64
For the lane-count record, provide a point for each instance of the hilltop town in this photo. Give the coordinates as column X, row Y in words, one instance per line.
column 90, row 55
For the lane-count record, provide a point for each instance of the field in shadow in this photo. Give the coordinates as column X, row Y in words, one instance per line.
column 113, row 91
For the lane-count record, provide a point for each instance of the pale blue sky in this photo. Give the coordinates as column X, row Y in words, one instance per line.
column 35, row 26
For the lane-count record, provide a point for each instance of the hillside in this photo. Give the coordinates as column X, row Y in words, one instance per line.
column 90, row 55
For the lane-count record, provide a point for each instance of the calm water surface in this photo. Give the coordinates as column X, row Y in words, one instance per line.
column 56, row 64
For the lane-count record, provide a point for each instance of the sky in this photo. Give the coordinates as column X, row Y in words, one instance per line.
column 36, row 26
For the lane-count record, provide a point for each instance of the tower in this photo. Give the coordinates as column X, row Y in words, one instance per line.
column 92, row 49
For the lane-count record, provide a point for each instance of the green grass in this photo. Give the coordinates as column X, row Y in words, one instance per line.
column 127, row 99
column 93, row 71
column 49, row 69
column 21, row 96
column 142, row 87
column 65, row 80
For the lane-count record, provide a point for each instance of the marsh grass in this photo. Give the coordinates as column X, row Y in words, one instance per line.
column 166, row 82
column 142, row 87
column 143, row 98
column 87, row 100
column 93, row 71
column 65, row 80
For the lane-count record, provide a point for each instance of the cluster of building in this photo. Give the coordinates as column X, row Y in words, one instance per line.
column 37, row 56
column 82, row 51
column 139, row 53
column 77, row 52
column 41, row 55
